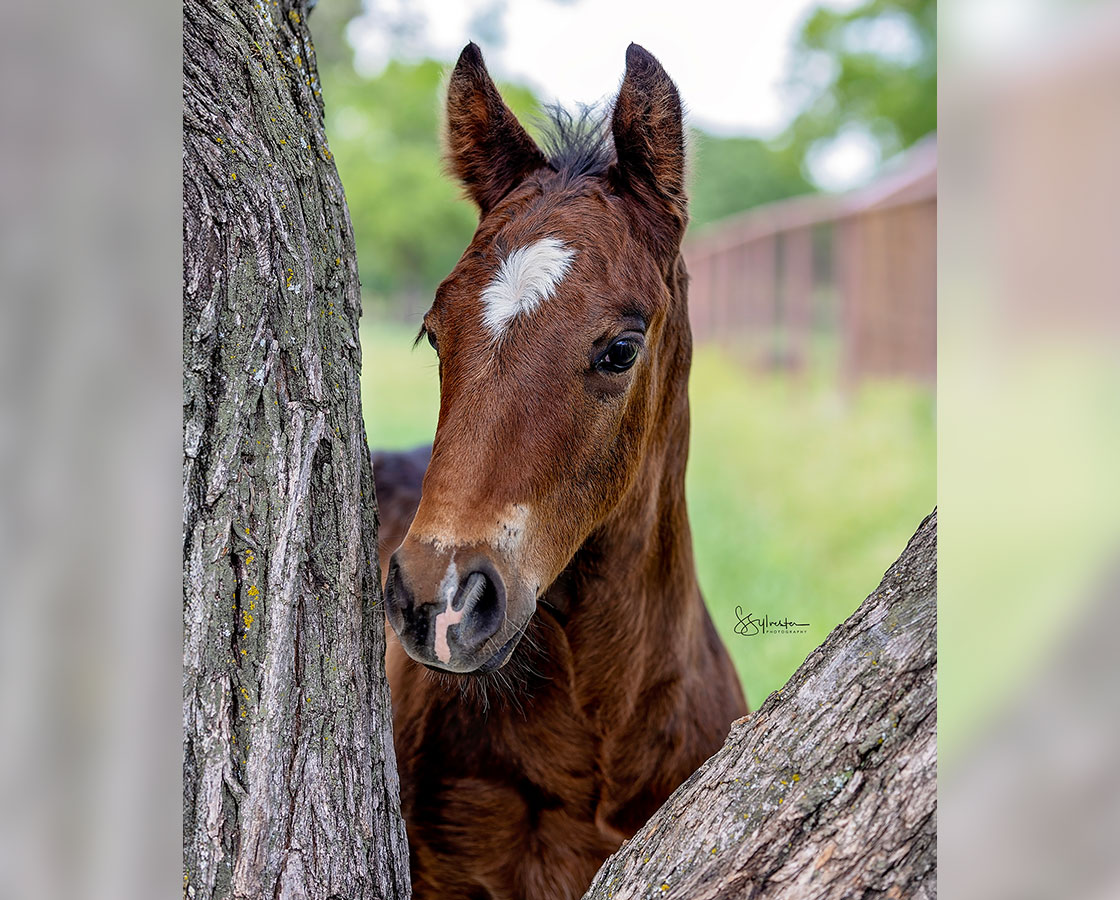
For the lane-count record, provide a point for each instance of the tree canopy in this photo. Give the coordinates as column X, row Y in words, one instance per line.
column 410, row 218
column 872, row 68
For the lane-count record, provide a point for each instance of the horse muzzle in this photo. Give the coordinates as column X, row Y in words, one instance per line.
column 451, row 608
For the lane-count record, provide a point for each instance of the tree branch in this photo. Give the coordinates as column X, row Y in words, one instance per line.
column 829, row 789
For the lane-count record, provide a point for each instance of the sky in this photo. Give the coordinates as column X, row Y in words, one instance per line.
column 731, row 60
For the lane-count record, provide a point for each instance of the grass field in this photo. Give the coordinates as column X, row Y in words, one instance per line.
column 799, row 497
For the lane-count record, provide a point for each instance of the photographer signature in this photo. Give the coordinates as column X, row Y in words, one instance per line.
column 750, row 625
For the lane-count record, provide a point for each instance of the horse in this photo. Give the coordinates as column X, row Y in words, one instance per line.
column 555, row 673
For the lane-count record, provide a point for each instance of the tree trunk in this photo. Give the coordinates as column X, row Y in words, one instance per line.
column 829, row 789
column 289, row 778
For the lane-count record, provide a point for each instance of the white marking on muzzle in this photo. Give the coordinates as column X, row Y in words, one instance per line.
column 510, row 533
column 511, row 527
column 471, row 590
column 525, row 279
column 449, row 616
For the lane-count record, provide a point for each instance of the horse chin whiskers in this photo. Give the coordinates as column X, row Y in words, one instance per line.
column 507, row 687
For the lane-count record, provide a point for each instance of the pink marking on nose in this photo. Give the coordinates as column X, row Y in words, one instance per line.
column 469, row 593
column 445, row 620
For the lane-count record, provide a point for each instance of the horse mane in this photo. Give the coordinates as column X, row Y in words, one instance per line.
column 580, row 143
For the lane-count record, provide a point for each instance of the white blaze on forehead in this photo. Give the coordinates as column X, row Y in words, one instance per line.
column 449, row 616
column 526, row 278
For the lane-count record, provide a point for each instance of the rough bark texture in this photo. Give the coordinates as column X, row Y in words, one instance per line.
column 829, row 789
column 289, row 777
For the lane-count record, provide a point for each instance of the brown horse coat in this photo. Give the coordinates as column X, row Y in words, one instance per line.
column 557, row 674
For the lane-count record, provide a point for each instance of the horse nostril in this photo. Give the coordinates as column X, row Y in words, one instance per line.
column 392, row 583
column 430, row 625
column 470, row 590
column 481, row 597
column 398, row 598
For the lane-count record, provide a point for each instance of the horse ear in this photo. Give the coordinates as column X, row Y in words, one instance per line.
column 487, row 149
column 648, row 129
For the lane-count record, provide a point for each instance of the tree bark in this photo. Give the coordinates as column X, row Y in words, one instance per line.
column 828, row 790
column 289, row 778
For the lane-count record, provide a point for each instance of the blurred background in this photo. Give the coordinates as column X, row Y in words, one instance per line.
column 811, row 250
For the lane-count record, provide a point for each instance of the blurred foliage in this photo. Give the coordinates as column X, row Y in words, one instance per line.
column 872, row 68
column 736, row 173
column 328, row 23
column 411, row 221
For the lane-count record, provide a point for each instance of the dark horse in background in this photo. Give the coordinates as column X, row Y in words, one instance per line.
column 557, row 674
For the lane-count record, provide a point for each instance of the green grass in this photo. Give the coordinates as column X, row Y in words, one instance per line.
column 799, row 497
column 400, row 387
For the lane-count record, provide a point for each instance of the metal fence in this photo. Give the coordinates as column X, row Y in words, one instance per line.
column 849, row 278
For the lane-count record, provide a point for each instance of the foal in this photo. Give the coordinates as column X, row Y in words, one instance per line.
column 558, row 675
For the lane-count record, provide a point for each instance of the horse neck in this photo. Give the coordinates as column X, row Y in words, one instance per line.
column 631, row 590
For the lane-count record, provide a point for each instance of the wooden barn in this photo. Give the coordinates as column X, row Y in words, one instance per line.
column 833, row 280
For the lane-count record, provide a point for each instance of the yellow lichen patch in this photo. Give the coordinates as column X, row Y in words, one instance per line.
column 253, row 591
column 248, row 619
column 233, row 175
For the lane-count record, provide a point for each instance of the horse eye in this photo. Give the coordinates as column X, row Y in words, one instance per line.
column 620, row 356
column 432, row 340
